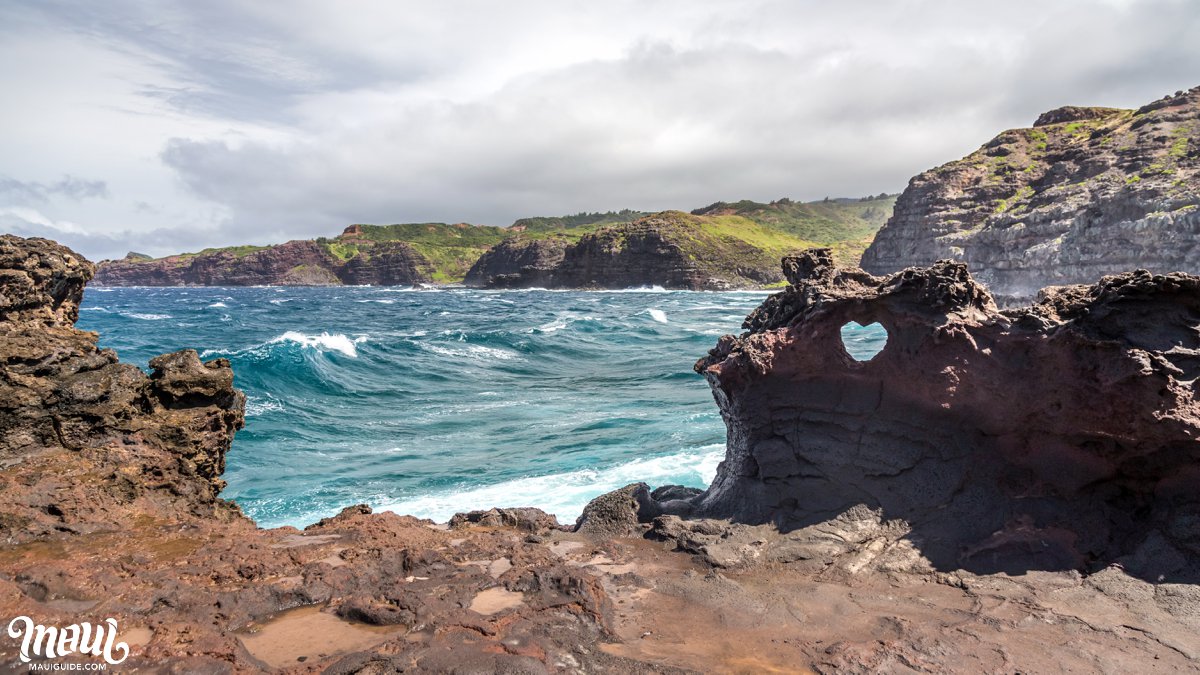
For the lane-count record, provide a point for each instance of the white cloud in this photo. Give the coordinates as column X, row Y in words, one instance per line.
column 227, row 122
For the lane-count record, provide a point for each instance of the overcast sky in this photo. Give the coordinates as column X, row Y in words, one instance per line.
column 170, row 126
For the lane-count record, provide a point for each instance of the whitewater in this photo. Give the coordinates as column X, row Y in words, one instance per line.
column 434, row 401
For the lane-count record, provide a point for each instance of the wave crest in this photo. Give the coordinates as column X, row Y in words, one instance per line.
column 324, row 342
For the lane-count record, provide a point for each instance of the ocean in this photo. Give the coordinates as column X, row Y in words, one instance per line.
column 434, row 401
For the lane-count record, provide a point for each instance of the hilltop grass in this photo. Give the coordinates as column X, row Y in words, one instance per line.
column 829, row 222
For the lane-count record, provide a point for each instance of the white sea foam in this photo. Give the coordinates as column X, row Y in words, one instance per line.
column 217, row 304
column 476, row 352
column 324, row 342
column 147, row 317
column 565, row 494
column 658, row 315
column 256, row 406
column 95, row 309
column 280, row 301
column 563, row 321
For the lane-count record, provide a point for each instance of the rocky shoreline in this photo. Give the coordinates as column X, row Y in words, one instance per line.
column 996, row 491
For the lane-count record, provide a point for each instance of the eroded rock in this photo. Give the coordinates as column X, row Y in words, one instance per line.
column 1083, row 193
column 1058, row 436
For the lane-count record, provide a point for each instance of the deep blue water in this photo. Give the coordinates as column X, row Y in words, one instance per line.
column 430, row 402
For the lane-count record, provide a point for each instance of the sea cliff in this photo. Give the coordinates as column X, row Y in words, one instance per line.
column 720, row 246
column 907, row 513
column 1083, row 193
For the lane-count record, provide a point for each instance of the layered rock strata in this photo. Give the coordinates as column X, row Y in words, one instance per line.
column 1083, row 193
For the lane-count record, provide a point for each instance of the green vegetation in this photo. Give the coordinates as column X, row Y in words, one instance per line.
column 846, row 225
column 236, row 251
column 754, row 233
column 580, row 220
column 1179, row 148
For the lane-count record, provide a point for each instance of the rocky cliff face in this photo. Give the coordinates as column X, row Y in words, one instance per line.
column 1056, row 436
column 392, row 263
column 1083, row 193
column 295, row 263
column 134, row 443
column 519, row 263
column 669, row 249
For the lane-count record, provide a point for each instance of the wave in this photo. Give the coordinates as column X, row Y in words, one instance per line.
column 478, row 352
column 256, row 406
column 95, row 309
column 145, row 317
column 217, row 305
column 335, row 342
column 324, row 342
column 565, row 494
column 560, row 323
column 658, row 315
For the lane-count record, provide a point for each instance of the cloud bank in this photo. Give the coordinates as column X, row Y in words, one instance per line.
column 172, row 126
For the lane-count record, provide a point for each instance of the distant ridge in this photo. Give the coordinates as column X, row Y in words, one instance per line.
column 720, row 246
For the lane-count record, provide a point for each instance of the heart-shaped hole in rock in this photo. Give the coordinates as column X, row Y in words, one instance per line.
column 862, row 343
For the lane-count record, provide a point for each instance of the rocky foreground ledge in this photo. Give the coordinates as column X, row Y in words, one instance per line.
column 994, row 492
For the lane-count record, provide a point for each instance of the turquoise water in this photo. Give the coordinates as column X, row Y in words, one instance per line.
column 430, row 402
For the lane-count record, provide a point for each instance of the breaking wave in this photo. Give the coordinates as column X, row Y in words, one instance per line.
column 565, row 494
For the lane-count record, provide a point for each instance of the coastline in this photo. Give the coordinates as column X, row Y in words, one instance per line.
column 113, row 512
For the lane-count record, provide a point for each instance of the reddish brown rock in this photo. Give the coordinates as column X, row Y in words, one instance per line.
column 109, row 479
column 1058, row 436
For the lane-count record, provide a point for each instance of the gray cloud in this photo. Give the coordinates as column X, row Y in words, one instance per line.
column 18, row 192
column 272, row 123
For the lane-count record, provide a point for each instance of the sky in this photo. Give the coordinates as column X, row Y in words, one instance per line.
column 164, row 127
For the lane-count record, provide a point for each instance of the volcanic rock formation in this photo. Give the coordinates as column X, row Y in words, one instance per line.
column 1057, row 436
column 1084, row 193
column 669, row 249
column 110, row 510
column 839, row 471
column 519, row 263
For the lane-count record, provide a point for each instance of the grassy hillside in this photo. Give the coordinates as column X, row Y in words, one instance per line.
column 846, row 225
column 578, row 223
column 768, row 229
column 451, row 248
column 726, row 245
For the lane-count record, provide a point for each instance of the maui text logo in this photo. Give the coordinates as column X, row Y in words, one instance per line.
column 51, row 642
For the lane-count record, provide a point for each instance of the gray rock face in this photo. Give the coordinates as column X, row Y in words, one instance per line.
column 1084, row 193
column 1057, row 436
